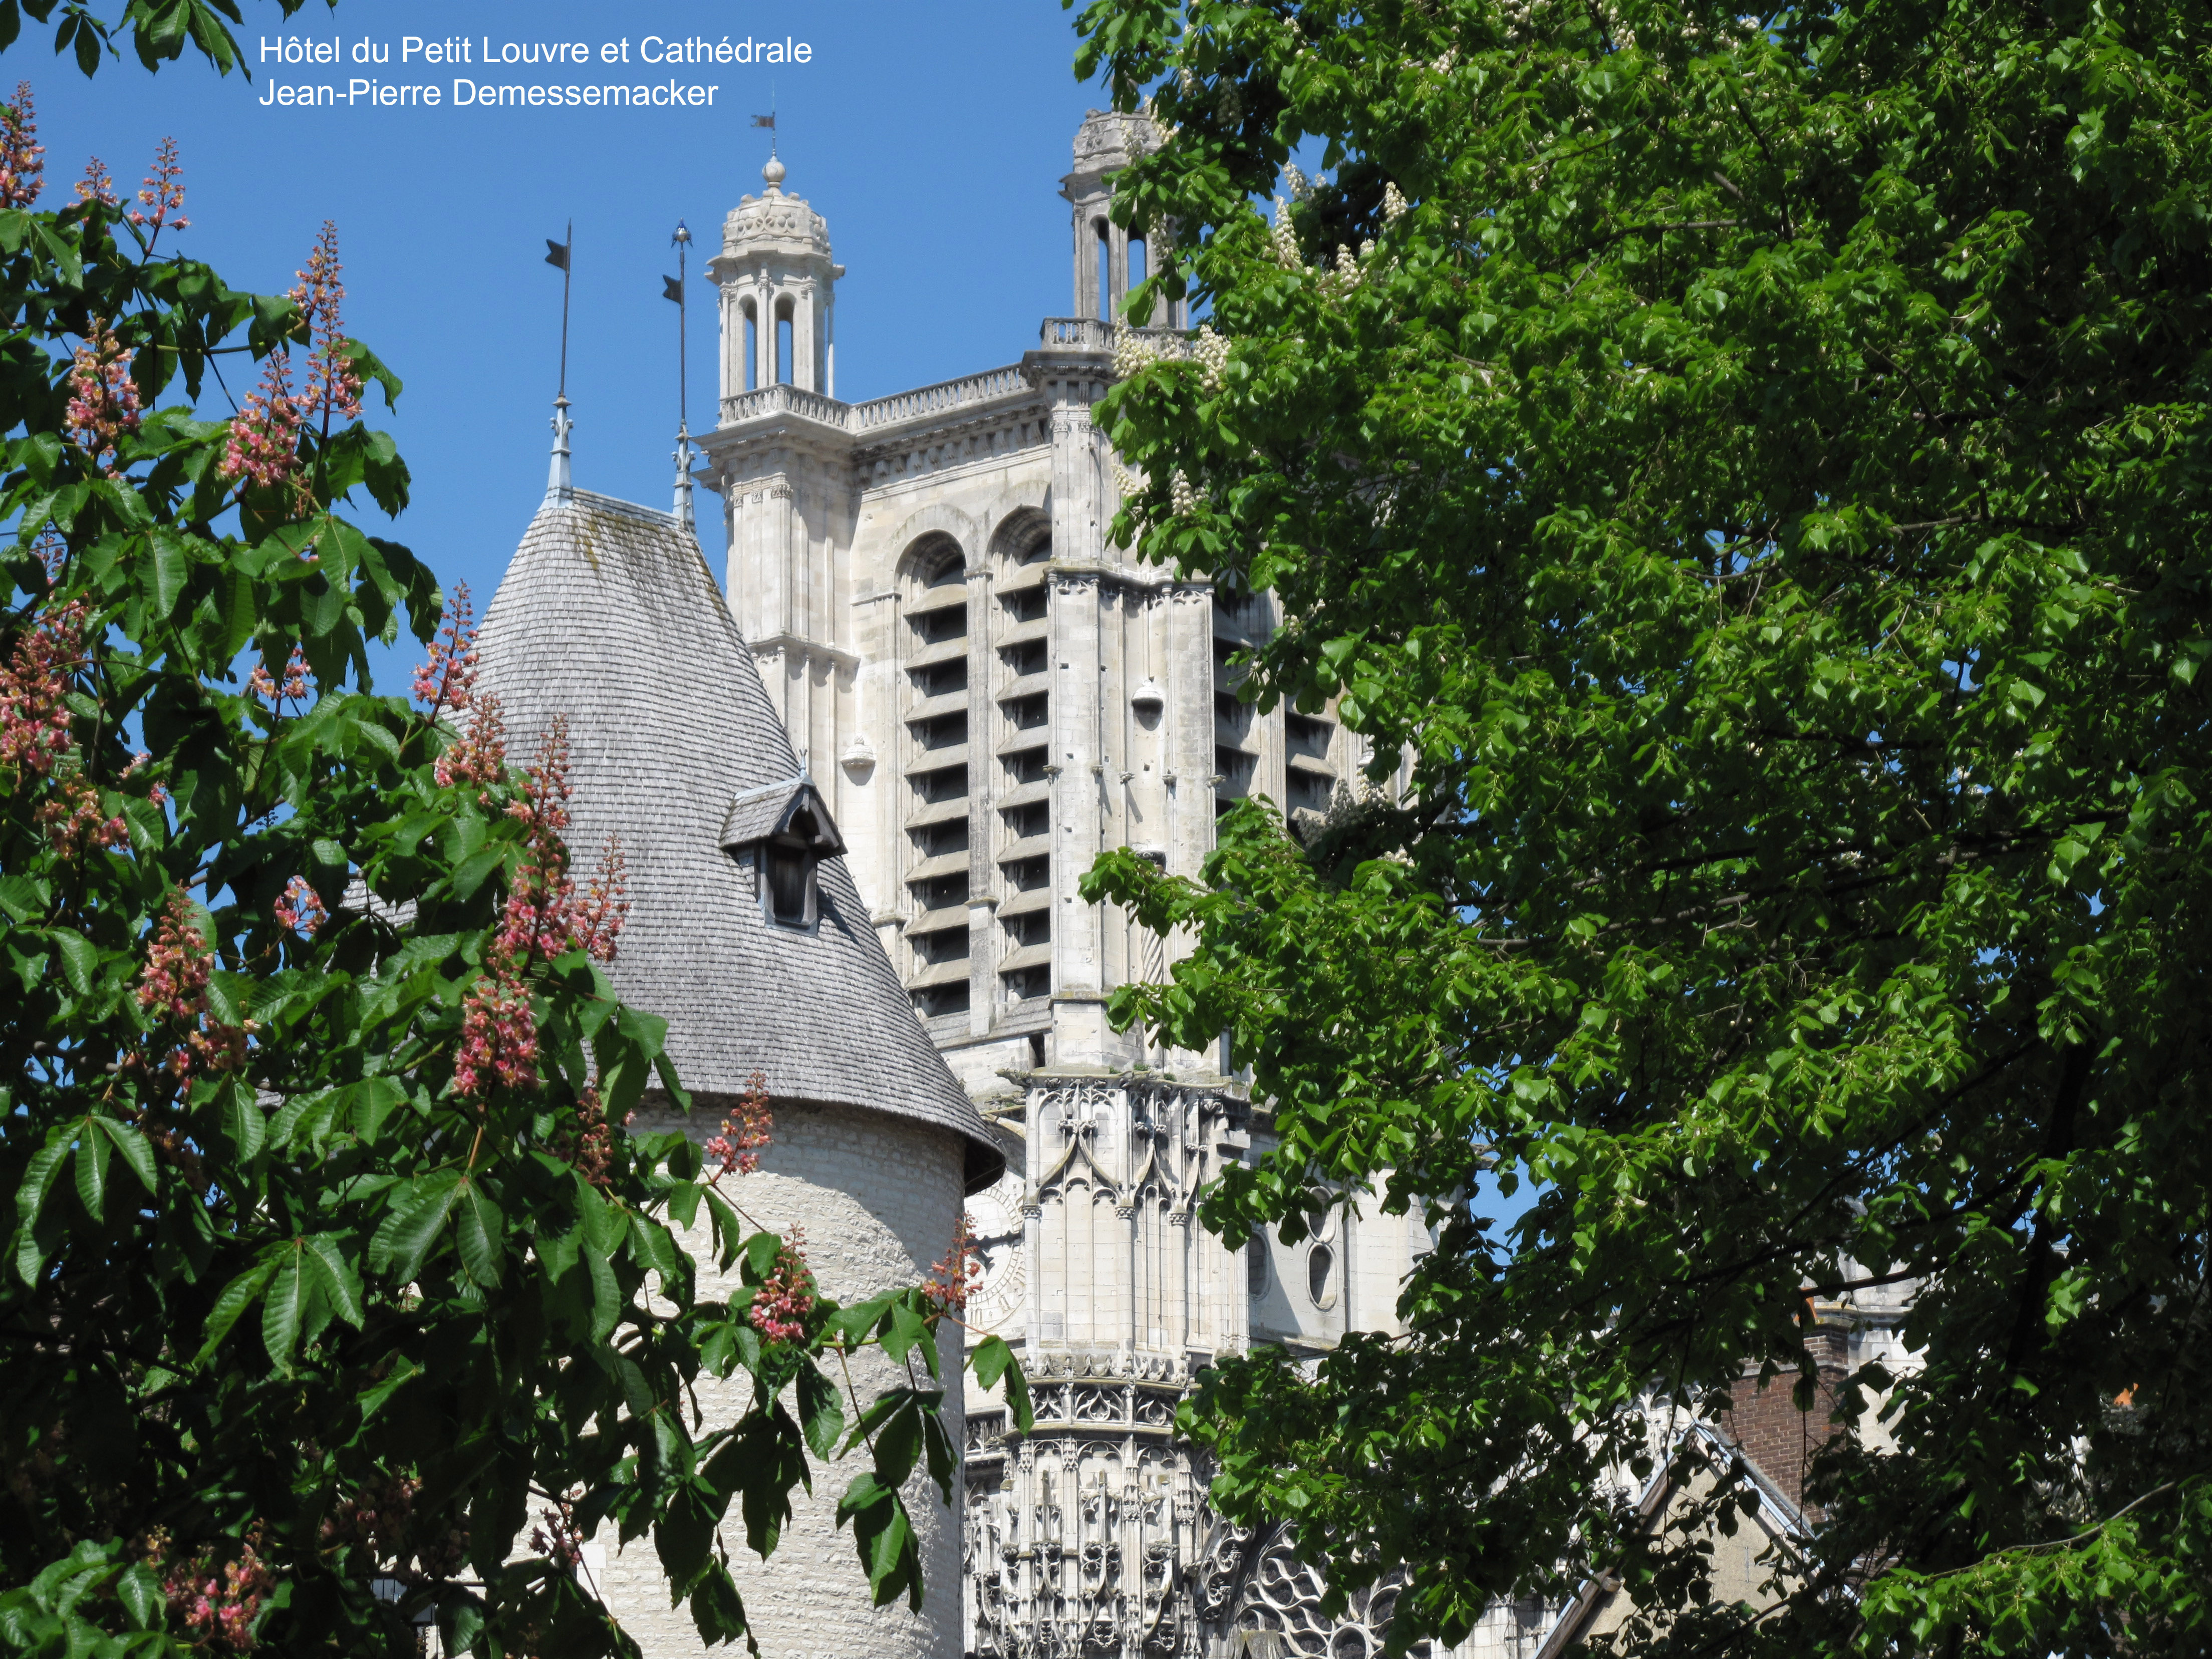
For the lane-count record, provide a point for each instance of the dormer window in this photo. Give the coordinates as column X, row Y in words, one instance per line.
column 783, row 830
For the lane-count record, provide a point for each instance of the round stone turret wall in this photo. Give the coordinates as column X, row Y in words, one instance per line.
column 879, row 1197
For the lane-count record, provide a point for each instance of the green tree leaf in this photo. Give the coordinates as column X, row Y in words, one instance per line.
column 229, row 1307
column 136, row 1153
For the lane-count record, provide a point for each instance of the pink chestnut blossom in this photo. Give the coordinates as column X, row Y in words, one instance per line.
column 480, row 756
column 542, row 919
column 71, row 818
column 300, row 907
column 173, row 987
column 293, row 688
column 785, row 1298
column 499, row 1038
column 449, row 679
column 35, row 740
column 217, row 1606
column 164, row 193
column 34, row 721
column 952, row 1278
column 738, row 1146
column 96, row 185
column 103, row 398
column 23, row 158
column 175, row 980
column 265, row 434
column 558, row 1539
column 332, row 387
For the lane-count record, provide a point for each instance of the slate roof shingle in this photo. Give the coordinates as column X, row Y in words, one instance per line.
column 759, row 813
column 608, row 614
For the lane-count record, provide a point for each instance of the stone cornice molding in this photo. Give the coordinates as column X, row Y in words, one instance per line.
column 780, row 643
column 958, row 426
column 736, row 453
column 964, row 447
column 1073, row 575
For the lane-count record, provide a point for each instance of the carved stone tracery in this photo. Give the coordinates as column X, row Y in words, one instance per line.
column 1092, row 1534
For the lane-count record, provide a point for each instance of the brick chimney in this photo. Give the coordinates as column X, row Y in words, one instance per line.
column 1764, row 1423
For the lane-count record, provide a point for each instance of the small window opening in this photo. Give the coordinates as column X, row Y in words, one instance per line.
column 783, row 358
column 1321, row 1215
column 789, row 873
column 1105, row 269
column 936, row 1002
column 1037, row 1051
column 752, row 350
column 1140, row 262
column 1321, row 1267
column 1256, row 1267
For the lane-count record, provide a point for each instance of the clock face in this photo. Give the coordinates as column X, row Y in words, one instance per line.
column 994, row 1218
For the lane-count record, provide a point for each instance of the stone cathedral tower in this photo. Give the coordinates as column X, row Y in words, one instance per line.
column 989, row 695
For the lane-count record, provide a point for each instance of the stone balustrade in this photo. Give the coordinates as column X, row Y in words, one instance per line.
column 1095, row 334
column 783, row 400
column 923, row 402
column 991, row 385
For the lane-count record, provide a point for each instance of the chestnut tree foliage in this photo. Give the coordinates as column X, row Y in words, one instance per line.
column 1751, row 471
column 335, row 1294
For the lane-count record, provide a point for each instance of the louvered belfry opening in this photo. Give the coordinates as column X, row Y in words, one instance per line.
column 1240, row 620
column 1309, row 779
column 1025, row 805
column 939, row 780
column 1243, row 739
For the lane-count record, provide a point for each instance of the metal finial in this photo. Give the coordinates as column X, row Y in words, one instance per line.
column 561, row 255
column 685, row 519
column 557, row 486
column 674, row 290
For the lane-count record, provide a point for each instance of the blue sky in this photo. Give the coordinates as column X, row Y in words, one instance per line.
column 933, row 138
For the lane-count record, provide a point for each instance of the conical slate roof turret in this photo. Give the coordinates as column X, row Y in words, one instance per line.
column 608, row 614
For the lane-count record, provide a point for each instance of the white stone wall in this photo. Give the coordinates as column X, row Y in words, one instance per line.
column 878, row 1198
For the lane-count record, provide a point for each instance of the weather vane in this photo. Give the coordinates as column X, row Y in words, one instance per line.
column 556, row 255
